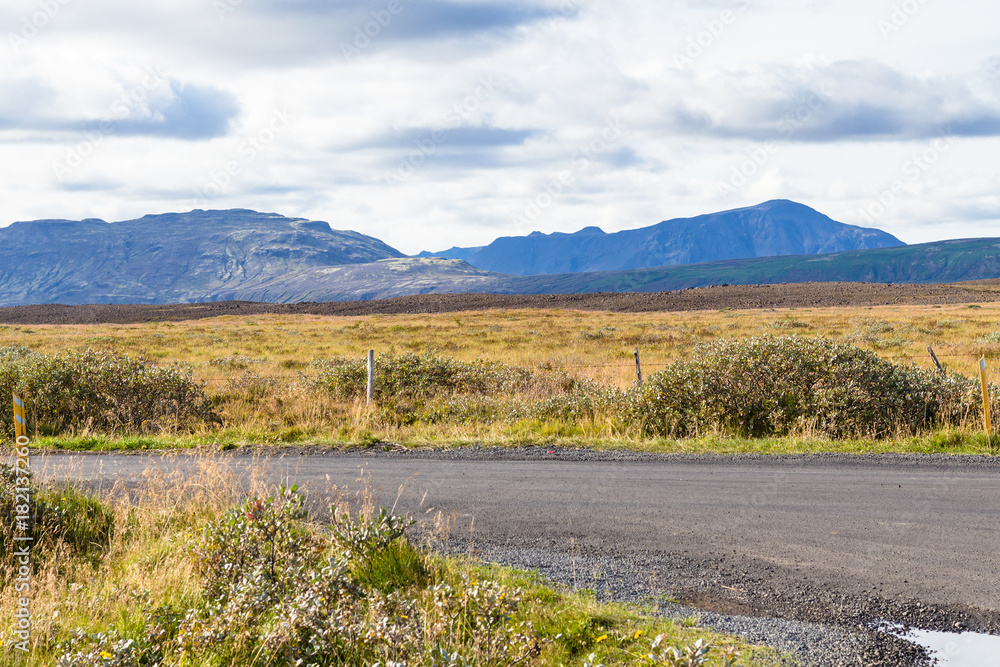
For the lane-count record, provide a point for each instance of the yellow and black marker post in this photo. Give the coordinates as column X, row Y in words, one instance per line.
column 20, row 427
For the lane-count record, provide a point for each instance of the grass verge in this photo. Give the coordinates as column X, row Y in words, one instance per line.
column 203, row 569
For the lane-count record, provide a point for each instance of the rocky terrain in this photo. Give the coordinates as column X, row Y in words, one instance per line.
column 803, row 295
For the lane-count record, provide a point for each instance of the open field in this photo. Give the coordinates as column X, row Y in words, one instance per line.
column 258, row 368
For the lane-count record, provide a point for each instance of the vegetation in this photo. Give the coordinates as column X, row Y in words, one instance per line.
column 765, row 386
column 506, row 377
column 100, row 391
column 196, row 570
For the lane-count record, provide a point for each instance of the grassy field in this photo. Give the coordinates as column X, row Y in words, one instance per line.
column 258, row 369
column 205, row 569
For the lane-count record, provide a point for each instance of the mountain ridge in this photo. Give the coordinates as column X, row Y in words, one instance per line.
column 774, row 228
column 170, row 256
column 950, row 261
column 239, row 254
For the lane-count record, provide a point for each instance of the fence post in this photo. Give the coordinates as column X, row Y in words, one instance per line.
column 986, row 395
column 937, row 363
column 638, row 368
column 371, row 377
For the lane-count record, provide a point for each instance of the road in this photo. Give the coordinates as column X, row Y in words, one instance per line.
column 806, row 533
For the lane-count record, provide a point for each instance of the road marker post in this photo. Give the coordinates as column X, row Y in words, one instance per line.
column 986, row 395
column 371, row 377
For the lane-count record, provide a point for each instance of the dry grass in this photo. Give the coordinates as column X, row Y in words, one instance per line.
column 597, row 345
column 257, row 366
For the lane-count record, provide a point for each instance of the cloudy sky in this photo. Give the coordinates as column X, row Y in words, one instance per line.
column 432, row 123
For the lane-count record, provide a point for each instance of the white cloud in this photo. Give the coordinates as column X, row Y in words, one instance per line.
column 407, row 100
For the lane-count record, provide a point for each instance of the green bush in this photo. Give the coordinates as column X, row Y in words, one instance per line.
column 769, row 385
column 277, row 593
column 99, row 391
column 420, row 376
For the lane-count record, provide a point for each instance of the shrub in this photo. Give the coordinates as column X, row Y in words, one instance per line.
column 277, row 593
column 100, row 390
column 413, row 376
column 768, row 385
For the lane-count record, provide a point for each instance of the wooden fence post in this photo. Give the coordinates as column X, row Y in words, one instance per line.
column 937, row 363
column 371, row 377
column 638, row 368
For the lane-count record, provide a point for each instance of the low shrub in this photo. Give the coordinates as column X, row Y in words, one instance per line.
column 771, row 385
column 419, row 376
column 101, row 391
column 277, row 593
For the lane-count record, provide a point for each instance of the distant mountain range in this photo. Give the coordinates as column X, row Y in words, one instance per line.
column 245, row 255
column 939, row 262
column 175, row 257
column 774, row 228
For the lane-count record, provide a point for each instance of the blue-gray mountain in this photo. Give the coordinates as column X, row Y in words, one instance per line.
column 774, row 228
column 245, row 255
column 168, row 258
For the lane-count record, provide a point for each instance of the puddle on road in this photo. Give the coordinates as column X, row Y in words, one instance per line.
column 966, row 649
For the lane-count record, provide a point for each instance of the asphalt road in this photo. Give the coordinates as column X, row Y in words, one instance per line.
column 800, row 532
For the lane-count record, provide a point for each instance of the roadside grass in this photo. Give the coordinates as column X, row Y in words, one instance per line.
column 201, row 568
column 952, row 441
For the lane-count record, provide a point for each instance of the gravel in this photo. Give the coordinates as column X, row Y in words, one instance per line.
column 614, row 579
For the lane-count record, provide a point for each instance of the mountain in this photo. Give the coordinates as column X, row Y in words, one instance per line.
column 451, row 253
column 172, row 257
column 245, row 255
column 774, row 228
column 939, row 262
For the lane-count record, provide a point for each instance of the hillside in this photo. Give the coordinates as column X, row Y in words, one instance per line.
column 173, row 257
column 774, row 228
column 940, row 262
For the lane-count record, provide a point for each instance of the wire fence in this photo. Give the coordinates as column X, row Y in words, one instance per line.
column 626, row 367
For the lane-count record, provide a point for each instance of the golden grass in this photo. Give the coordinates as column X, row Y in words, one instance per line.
column 256, row 364
column 598, row 345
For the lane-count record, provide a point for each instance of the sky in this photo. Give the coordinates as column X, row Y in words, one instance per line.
column 433, row 123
